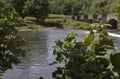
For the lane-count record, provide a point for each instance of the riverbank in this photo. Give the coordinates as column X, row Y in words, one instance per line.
column 52, row 22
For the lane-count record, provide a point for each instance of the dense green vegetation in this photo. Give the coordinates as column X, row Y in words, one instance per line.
column 117, row 11
column 10, row 42
column 36, row 8
column 88, row 59
column 78, row 7
column 19, row 6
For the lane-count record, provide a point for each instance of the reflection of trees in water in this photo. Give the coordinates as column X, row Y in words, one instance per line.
column 36, row 47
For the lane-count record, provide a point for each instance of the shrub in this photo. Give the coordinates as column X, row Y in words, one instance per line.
column 10, row 42
column 87, row 59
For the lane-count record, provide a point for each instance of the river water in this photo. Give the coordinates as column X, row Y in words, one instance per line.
column 39, row 54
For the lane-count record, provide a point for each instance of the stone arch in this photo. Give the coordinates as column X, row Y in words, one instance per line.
column 113, row 23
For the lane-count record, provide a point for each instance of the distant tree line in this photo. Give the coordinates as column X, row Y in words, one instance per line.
column 40, row 8
column 36, row 8
column 79, row 7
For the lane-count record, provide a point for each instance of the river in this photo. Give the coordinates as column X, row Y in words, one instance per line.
column 39, row 54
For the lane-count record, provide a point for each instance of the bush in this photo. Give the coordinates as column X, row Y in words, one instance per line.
column 88, row 59
column 10, row 42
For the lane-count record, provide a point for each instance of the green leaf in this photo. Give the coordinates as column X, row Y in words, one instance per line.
column 59, row 43
column 106, row 25
column 71, row 36
column 66, row 44
column 115, row 59
column 89, row 39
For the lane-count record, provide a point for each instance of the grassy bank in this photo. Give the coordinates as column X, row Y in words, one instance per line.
column 52, row 22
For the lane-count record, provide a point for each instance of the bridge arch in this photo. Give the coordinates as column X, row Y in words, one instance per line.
column 113, row 23
column 109, row 18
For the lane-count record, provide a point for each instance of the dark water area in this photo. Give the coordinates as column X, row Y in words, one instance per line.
column 39, row 54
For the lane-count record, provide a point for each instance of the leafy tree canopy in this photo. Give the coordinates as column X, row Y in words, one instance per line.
column 82, row 6
column 37, row 8
column 19, row 6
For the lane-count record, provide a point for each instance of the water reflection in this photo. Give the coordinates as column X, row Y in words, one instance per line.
column 39, row 54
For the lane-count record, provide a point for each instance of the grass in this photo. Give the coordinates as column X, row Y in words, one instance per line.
column 77, row 24
column 67, row 22
column 30, row 23
column 52, row 22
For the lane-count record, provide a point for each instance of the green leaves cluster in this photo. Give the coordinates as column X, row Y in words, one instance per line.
column 82, row 7
column 117, row 11
column 37, row 8
column 93, row 58
column 10, row 42
column 19, row 6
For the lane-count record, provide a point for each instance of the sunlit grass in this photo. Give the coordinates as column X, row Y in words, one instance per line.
column 53, row 21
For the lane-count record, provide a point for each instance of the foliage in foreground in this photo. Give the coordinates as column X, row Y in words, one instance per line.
column 117, row 11
column 93, row 58
column 10, row 42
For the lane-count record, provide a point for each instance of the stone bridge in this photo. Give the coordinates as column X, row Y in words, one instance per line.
column 109, row 18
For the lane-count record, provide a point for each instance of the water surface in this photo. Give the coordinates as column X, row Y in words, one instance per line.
column 39, row 54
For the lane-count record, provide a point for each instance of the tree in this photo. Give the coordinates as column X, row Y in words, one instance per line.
column 10, row 42
column 84, row 7
column 19, row 6
column 67, row 8
column 38, row 9
column 56, row 6
column 76, row 7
